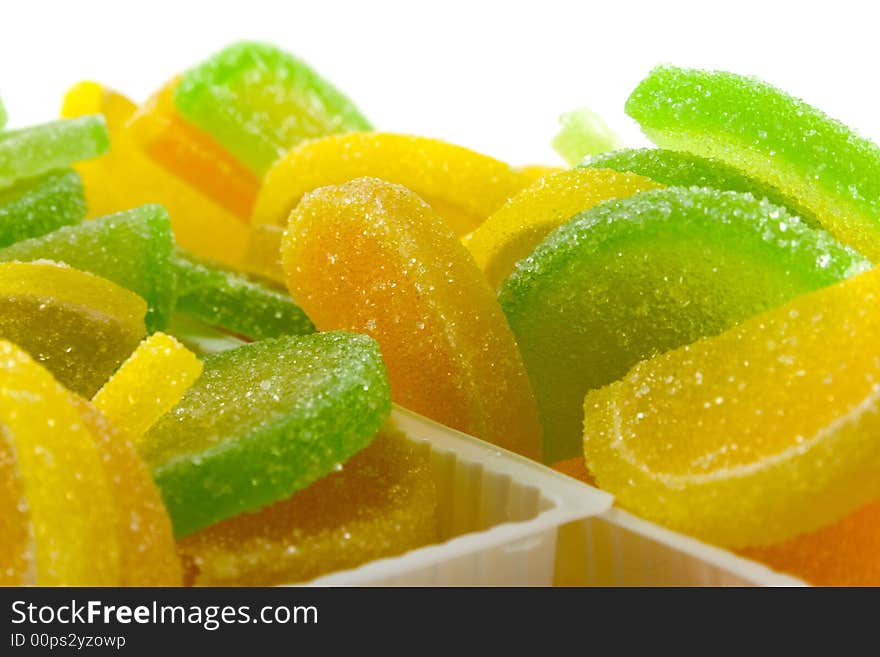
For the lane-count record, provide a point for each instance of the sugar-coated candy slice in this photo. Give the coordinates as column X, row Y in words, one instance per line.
column 77, row 325
column 147, row 551
column 233, row 301
column 131, row 248
column 753, row 436
column 36, row 206
column 371, row 256
column 779, row 139
column 462, row 186
column 263, row 254
column 534, row 172
column 36, row 150
column 678, row 169
column 524, row 221
column 634, row 277
column 264, row 421
column 582, row 132
column 192, row 154
column 62, row 492
column 844, row 553
column 259, row 101
column 147, row 385
column 126, row 177
column 381, row 503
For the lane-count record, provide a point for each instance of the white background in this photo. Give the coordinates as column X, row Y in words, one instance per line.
column 493, row 76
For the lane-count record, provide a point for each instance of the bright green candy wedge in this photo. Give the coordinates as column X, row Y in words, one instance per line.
column 583, row 133
column 37, row 206
column 131, row 248
column 259, row 101
column 779, row 139
column 231, row 300
column 264, row 421
column 678, row 169
column 29, row 152
column 634, row 277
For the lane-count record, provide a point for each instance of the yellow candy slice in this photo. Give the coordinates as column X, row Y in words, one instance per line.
column 60, row 483
column 462, row 186
column 125, row 177
column 381, row 503
column 263, row 254
column 79, row 326
column 148, row 385
column 756, row 435
column 534, row 172
column 372, row 257
column 513, row 232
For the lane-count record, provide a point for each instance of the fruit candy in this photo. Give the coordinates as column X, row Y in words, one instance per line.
column 582, row 132
column 58, row 508
column 192, row 154
column 147, row 552
column 2, row 115
column 534, row 172
column 753, row 436
column 125, row 177
column 382, row 502
column 131, row 248
column 372, row 257
column 36, row 206
column 264, row 421
column 678, row 169
column 522, row 223
column 462, row 186
column 263, row 254
column 576, row 468
column 147, row 385
column 634, row 277
column 231, row 300
column 844, row 553
column 259, row 102
column 39, row 149
column 79, row 326
column 777, row 138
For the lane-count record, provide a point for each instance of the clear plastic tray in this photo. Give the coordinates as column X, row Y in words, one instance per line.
column 498, row 517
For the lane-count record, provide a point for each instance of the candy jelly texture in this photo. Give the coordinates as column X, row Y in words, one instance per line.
column 534, row 172
column 259, row 102
column 131, row 248
column 513, row 232
column 147, row 385
column 37, row 206
column 575, row 467
column 753, row 436
column 381, row 503
column 39, row 149
column 582, row 132
column 634, row 277
column 79, row 326
column 62, row 491
column 372, row 257
column 263, row 254
column 462, row 186
column 265, row 420
column 126, row 177
column 755, row 127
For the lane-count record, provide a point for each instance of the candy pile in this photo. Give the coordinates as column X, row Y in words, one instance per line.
column 209, row 302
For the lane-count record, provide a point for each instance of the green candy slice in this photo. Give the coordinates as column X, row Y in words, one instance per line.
column 264, row 421
column 583, row 133
column 635, row 277
column 259, row 101
column 37, row 206
column 825, row 166
column 678, row 169
column 29, row 152
column 233, row 301
column 2, row 114
column 131, row 248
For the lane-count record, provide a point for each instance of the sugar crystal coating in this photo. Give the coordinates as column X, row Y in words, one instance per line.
column 582, row 132
column 534, row 172
column 634, row 277
column 755, row 435
column 131, row 248
column 259, row 101
column 36, row 206
column 381, row 503
column 462, row 186
column 372, row 257
column 78, row 326
column 265, row 420
column 779, row 139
